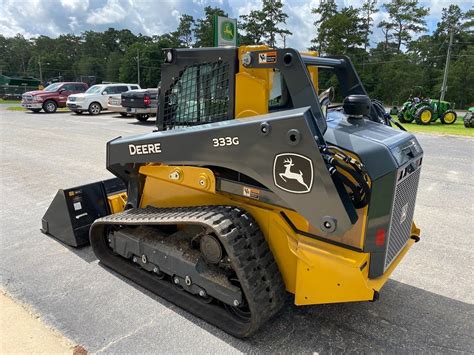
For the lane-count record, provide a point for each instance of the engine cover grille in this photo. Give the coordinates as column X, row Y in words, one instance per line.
column 402, row 215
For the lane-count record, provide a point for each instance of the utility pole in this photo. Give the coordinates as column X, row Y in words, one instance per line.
column 41, row 72
column 446, row 67
column 137, row 58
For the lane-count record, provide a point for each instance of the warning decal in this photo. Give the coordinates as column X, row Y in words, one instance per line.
column 252, row 193
column 267, row 57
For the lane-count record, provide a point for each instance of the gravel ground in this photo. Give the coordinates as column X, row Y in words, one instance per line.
column 427, row 306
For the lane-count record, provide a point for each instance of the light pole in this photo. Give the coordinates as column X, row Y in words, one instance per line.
column 137, row 58
column 41, row 68
column 41, row 72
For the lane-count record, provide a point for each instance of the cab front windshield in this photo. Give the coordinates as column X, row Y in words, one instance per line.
column 95, row 89
column 52, row 88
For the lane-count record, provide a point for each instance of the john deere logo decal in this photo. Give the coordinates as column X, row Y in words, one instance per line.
column 227, row 31
column 293, row 173
column 403, row 217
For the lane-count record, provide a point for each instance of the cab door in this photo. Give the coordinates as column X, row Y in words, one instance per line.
column 64, row 92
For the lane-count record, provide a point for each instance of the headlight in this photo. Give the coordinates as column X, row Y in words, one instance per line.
column 37, row 98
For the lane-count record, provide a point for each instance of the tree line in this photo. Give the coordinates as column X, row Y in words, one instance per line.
column 392, row 69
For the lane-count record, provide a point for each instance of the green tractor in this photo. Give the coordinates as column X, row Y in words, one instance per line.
column 469, row 118
column 424, row 110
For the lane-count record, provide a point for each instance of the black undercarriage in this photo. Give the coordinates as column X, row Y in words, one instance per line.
column 151, row 247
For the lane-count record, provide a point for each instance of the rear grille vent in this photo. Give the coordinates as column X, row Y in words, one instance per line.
column 402, row 216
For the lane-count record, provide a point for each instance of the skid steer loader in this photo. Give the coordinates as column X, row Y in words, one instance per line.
column 249, row 189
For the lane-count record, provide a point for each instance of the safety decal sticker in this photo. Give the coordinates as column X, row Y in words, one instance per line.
column 251, row 193
column 267, row 57
column 293, row 173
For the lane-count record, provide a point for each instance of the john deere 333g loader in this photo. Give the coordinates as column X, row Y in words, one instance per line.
column 249, row 189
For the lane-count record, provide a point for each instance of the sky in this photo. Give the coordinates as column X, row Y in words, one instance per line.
column 154, row 17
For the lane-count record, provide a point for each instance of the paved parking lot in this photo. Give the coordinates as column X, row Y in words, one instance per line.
column 427, row 306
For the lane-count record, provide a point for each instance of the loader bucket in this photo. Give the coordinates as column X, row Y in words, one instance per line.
column 73, row 210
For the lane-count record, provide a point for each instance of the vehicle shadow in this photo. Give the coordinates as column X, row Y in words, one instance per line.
column 84, row 252
column 146, row 123
column 46, row 113
column 406, row 319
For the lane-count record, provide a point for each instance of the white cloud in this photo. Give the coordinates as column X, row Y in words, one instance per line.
column 73, row 23
column 175, row 14
column 75, row 5
column 112, row 12
column 301, row 23
column 155, row 17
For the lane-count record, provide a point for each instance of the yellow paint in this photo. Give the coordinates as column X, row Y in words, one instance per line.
column 425, row 116
column 330, row 274
column 315, row 271
column 117, row 202
column 252, row 87
column 449, row 117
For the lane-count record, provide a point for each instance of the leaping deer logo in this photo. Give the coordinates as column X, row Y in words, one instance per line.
column 288, row 174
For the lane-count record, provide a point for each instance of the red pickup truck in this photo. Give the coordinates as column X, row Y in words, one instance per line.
column 52, row 97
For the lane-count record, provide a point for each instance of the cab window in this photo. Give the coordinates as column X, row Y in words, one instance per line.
column 68, row 87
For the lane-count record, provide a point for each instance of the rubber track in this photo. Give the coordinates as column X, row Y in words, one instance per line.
column 243, row 241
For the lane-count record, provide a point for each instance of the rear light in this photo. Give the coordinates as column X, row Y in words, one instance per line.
column 380, row 237
column 147, row 100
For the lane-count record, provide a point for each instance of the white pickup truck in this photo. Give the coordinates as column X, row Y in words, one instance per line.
column 96, row 98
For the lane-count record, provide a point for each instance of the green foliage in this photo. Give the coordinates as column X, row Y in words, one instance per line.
column 368, row 10
column 406, row 18
column 204, row 30
column 251, row 24
column 185, row 30
column 345, row 32
column 389, row 70
column 457, row 128
column 262, row 26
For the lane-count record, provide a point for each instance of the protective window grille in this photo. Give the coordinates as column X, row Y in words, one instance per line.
column 200, row 95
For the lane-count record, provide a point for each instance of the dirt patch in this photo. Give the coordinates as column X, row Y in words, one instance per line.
column 23, row 332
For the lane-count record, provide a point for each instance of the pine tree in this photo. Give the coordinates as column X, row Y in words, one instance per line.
column 204, row 30
column 406, row 18
column 326, row 10
column 262, row 26
column 339, row 32
column 368, row 10
column 185, row 30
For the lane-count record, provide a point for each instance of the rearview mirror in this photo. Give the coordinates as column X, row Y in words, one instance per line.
column 61, row 90
column 104, row 92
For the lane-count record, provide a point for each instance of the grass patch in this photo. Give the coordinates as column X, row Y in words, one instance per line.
column 19, row 108
column 457, row 128
column 2, row 101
